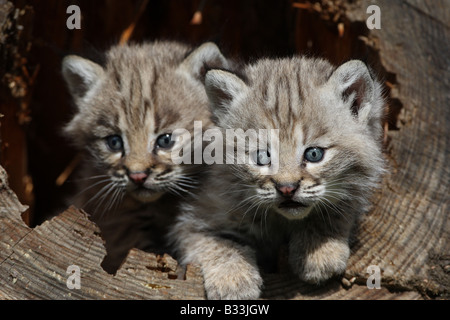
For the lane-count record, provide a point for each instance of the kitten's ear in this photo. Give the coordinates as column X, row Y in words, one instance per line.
column 80, row 74
column 222, row 87
column 205, row 57
column 354, row 85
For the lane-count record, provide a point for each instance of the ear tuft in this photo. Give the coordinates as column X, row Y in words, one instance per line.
column 205, row 57
column 80, row 75
column 356, row 92
column 354, row 85
column 362, row 94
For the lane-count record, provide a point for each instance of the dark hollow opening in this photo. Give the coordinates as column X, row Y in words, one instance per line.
column 245, row 29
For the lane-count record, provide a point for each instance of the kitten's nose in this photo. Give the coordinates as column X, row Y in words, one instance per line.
column 138, row 177
column 286, row 189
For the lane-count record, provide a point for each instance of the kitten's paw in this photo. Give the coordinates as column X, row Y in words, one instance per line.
column 241, row 281
column 328, row 260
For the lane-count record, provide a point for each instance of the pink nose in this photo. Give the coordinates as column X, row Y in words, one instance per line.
column 138, row 177
column 287, row 189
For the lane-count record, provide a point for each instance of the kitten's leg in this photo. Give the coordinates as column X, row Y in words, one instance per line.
column 319, row 251
column 229, row 269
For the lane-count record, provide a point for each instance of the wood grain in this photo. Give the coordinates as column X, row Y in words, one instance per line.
column 34, row 262
column 407, row 234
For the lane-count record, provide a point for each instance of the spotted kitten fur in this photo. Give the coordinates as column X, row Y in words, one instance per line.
column 329, row 158
column 126, row 112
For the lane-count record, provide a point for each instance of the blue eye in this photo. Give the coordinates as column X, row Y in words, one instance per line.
column 165, row 141
column 114, row 143
column 314, row 154
column 262, row 157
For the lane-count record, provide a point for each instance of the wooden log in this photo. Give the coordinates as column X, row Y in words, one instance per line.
column 16, row 83
column 34, row 262
column 408, row 233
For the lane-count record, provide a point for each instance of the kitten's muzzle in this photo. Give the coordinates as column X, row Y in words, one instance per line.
column 138, row 177
column 287, row 190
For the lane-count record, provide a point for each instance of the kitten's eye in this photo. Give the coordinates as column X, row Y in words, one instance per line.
column 115, row 143
column 314, row 154
column 262, row 157
column 165, row 141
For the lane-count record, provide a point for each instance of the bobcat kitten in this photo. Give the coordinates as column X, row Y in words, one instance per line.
column 126, row 112
column 329, row 160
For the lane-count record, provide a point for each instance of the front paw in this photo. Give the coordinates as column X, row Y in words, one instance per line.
column 233, row 281
column 322, row 263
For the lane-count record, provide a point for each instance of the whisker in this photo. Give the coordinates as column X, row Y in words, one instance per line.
column 88, row 178
column 92, row 186
column 104, row 197
column 318, row 204
column 98, row 194
column 335, row 208
column 186, row 179
column 254, row 204
column 114, row 197
column 187, row 185
column 241, row 204
column 327, row 214
column 179, row 187
column 171, row 189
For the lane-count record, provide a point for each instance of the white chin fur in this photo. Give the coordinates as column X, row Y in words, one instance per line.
column 294, row 213
column 145, row 196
